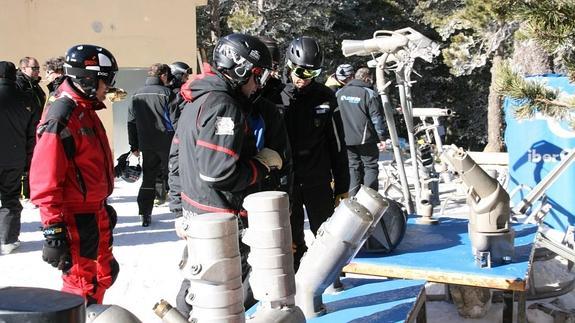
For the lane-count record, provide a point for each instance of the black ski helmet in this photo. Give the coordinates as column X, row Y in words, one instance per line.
column 305, row 52
column 179, row 69
column 86, row 64
column 240, row 55
column 273, row 48
column 127, row 172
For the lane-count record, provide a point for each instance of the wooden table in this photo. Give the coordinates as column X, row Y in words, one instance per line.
column 442, row 253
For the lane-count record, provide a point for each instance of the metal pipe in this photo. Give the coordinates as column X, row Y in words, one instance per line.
column 388, row 111
column 542, row 186
column 168, row 313
column 431, row 112
column 335, row 244
column 272, row 278
column 405, row 102
column 214, row 269
column 436, row 136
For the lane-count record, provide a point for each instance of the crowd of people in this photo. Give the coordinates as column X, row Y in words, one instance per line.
column 206, row 141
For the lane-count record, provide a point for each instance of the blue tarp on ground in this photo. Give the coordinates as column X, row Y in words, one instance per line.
column 535, row 147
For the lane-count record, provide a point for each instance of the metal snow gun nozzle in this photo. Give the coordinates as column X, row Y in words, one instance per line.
column 383, row 41
column 337, row 241
column 489, row 231
column 168, row 313
column 432, row 112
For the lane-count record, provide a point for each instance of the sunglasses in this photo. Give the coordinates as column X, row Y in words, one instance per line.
column 303, row 73
column 261, row 75
column 34, row 68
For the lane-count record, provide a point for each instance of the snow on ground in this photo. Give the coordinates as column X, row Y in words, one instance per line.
column 149, row 257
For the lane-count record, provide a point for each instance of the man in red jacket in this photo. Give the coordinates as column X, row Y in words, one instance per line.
column 72, row 175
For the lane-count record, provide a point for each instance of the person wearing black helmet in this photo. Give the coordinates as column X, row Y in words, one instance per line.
column 72, row 175
column 214, row 160
column 180, row 73
column 317, row 141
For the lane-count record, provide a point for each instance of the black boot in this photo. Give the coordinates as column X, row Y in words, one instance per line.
column 146, row 220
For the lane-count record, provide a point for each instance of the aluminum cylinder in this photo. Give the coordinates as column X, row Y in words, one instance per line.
column 335, row 244
column 269, row 238
column 214, row 269
column 271, row 258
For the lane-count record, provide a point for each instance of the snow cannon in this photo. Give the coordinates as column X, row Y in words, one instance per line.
column 272, row 277
column 383, row 41
column 335, row 244
column 214, row 269
column 492, row 238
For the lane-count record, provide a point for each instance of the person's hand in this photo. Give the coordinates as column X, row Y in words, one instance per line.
column 340, row 197
column 381, row 146
column 115, row 94
column 269, row 158
column 56, row 251
column 181, row 226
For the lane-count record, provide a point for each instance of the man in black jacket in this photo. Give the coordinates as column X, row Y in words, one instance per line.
column 317, row 141
column 214, row 160
column 17, row 133
column 150, row 131
column 28, row 80
column 364, row 127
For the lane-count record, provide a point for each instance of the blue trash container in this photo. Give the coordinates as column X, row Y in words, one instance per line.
column 535, row 147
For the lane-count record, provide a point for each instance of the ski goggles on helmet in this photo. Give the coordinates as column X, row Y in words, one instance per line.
column 108, row 77
column 303, row 73
column 261, row 75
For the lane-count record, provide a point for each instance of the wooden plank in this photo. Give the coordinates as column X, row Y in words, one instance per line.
column 435, row 276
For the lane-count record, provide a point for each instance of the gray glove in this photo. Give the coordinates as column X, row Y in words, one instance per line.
column 269, row 158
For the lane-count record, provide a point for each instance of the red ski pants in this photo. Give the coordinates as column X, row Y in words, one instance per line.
column 94, row 268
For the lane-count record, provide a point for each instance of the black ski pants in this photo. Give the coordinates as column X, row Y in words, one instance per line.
column 154, row 179
column 319, row 204
column 11, row 208
column 363, row 167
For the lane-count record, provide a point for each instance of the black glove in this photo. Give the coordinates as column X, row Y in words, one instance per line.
column 56, row 251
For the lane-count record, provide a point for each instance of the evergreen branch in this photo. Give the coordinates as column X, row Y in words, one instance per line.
column 533, row 96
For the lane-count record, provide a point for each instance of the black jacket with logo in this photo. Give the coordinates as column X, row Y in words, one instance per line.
column 211, row 159
column 316, row 136
column 361, row 113
column 150, row 125
column 17, row 126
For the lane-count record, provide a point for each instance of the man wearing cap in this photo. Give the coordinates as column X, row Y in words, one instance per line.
column 343, row 74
